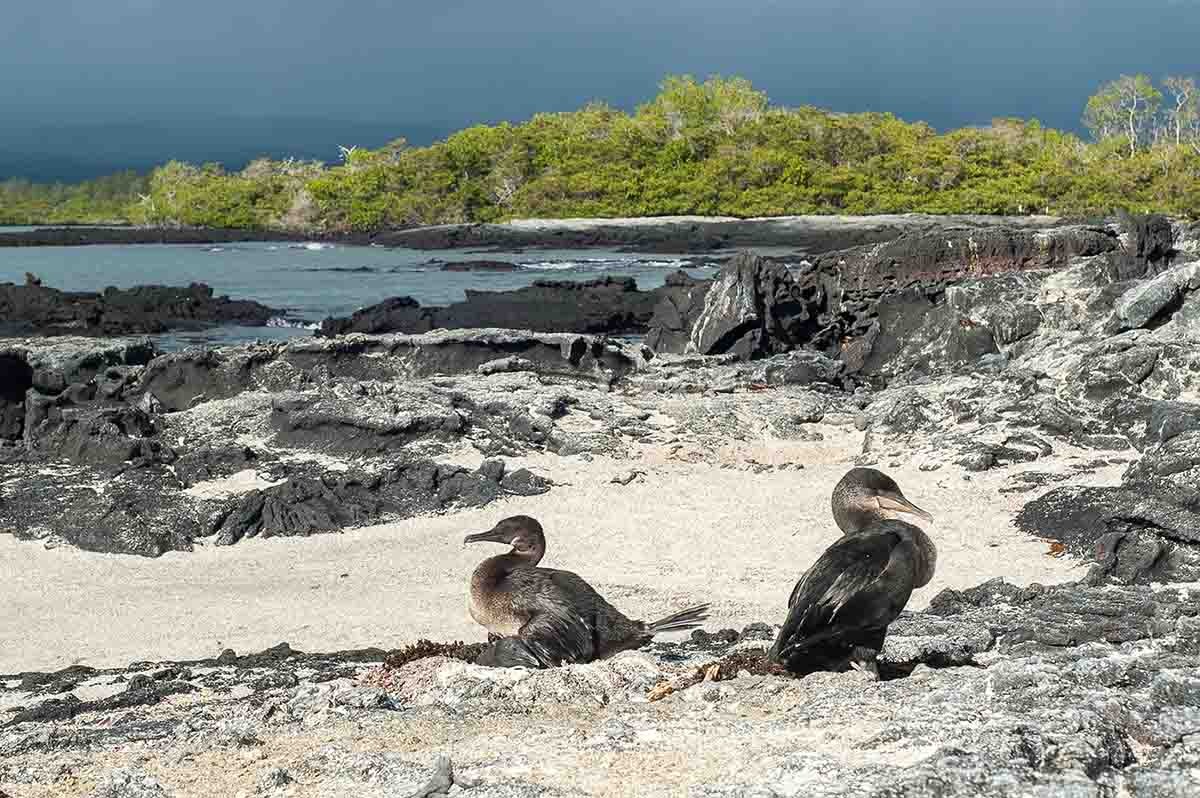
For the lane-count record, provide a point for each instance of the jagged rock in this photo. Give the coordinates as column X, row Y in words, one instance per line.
column 87, row 436
column 72, row 368
column 680, row 303
column 914, row 259
column 182, row 379
column 1150, row 244
column 213, row 462
column 505, row 364
column 357, row 423
column 754, row 308
column 1176, row 458
column 394, row 314
column 141, row 691
column 307, row 505
column 1147, row 303
column 1063, row 616
column 524, row 482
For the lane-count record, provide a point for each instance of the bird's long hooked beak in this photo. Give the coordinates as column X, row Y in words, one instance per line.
column 491, row 536
column 900, row 504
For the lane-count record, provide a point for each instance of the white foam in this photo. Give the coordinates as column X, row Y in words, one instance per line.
column 279, row 321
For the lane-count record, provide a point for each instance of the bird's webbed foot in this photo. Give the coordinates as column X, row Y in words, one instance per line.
column 863, row 660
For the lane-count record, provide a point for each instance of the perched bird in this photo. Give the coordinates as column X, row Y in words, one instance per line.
column 840, row 609
column 545, row 617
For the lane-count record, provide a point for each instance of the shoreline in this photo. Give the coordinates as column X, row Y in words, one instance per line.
column 680, row 234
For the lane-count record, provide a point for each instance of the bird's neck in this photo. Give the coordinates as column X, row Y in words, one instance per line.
column 925, row 557
column 494, row 569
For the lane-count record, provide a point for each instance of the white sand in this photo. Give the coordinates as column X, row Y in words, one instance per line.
column 684, row 533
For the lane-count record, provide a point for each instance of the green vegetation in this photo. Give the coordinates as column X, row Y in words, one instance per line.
column 713, row 147
column 106, row 199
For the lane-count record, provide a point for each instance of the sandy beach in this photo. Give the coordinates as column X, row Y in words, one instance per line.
column 680, row 534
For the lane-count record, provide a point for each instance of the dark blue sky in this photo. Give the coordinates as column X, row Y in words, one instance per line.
column 91, row 85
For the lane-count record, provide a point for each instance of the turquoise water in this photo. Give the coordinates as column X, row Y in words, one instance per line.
column 303, row 279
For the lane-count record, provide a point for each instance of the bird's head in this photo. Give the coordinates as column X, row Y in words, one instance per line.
column 521, row 532
column 866, row 495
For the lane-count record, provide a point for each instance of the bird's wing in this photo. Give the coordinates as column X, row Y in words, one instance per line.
column 843, row 591
column 509, row 652
column 559, row 607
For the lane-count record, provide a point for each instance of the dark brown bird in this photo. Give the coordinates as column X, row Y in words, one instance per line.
column 840, row 609
column 544, row 617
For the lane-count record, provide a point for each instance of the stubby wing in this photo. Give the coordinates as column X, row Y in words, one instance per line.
column 844, row 591
column 560, row 609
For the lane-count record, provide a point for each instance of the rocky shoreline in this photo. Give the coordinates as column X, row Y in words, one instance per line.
column 677, row 235
column 1080, row 334
column 36, row 309
column 1039, row 357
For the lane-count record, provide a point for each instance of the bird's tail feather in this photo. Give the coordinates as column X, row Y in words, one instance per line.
column 690, row 618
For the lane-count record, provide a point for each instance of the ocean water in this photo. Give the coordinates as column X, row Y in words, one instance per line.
column 313, row 281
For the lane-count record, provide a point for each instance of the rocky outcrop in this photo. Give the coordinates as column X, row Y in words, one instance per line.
column 35, row 308
column 662, row 234
column 863, row 303
column 39, row 378
column 181, row 380
column 753, row 309
column 307, row 505
column 108, row 452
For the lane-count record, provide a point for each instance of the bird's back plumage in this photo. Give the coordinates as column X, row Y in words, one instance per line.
column 847, row 598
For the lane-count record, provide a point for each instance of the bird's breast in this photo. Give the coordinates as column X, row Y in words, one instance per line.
column 492, row 612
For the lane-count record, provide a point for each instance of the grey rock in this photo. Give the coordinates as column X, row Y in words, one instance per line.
column 375, row 775
column 140, row 510
column 128, row 783
column 274, row 778
column 1141, row 305
column 1143, row 532
column 800, row 368
column 679, row 305
column 505, row 364
column 213, row 462
column 524, row 482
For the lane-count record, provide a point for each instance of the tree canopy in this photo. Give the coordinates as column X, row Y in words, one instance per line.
column 699, row 147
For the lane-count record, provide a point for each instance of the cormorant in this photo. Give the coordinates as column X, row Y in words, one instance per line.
column 545, row 617
column 840, row 609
